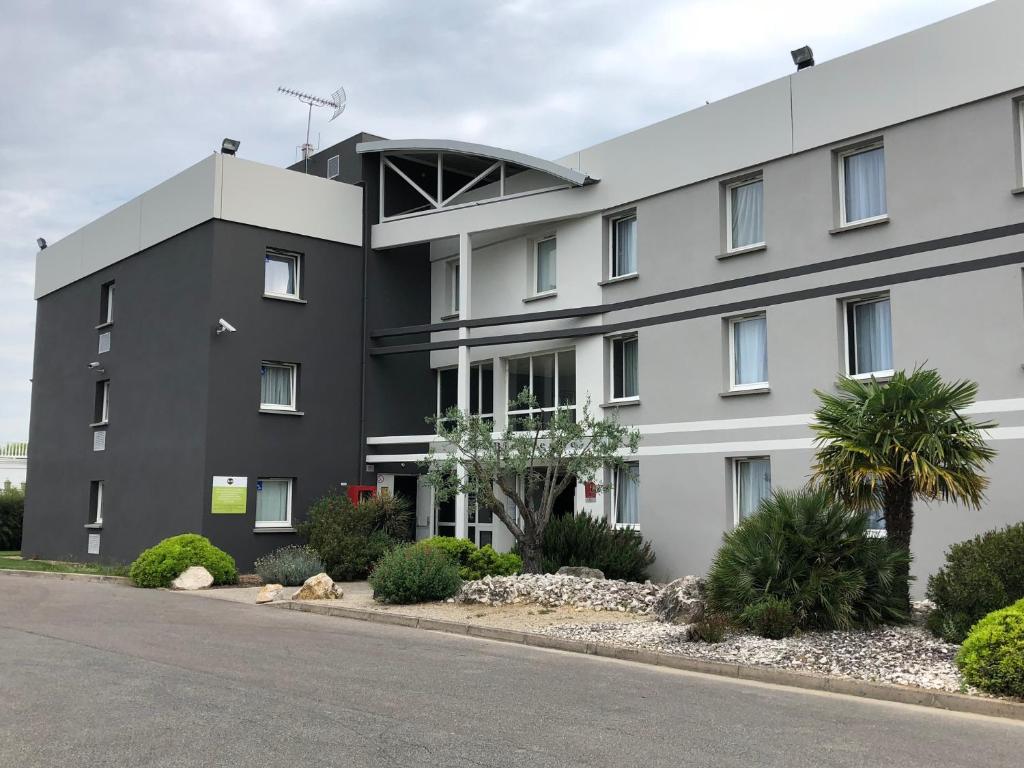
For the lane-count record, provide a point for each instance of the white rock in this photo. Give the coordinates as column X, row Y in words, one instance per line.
column 319, row 587
column 269, row 593
column 194, row 577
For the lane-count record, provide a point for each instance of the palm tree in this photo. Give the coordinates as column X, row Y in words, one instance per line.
column 886, row 444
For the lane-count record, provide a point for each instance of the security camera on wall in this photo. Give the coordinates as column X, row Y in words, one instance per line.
column 223, row 326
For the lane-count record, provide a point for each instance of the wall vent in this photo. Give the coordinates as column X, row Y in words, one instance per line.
column 93, row 547
column 333, row 167
column 104, row 345
column 99, row 440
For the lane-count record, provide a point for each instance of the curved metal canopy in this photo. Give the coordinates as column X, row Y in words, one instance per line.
column 568, row 175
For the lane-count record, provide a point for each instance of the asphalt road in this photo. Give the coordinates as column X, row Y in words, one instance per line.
column 101, row 675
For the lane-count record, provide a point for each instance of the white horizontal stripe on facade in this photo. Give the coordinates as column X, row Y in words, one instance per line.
column 715, row 425
column 738, row 447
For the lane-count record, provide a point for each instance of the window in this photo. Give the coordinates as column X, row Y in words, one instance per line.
column 96, row 503
column 876, row 524
column 869, row 337
column 452, row 278
column 550, row 377
column 623, row 246
column 744, row 204
column 752, row 483
column 862, row 185
column 273, row 502
column 281, row 274
column 627, row 496
column 107, row 303
column 481, row 390
column 333, row 167
column 545, row 266
column 101, row 410
column 748, row 352
column 104, row 343
column 625, row 368
column 277, row 386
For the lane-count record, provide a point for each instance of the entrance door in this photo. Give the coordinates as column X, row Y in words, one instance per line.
column 481, row 521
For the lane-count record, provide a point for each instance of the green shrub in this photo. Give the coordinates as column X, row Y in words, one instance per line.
column 806, row 548
column 711, row 629
column 980, row 575
column 414, row 574
column 770, row 617
column 391, row 514
column 289, row 566
column 475, row 563
column 12, row 513
column 349, row 537
column 582, row 540
column 161, row 564
column 992, row 656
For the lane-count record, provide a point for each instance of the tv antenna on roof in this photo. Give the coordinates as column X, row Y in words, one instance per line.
column 337, row 101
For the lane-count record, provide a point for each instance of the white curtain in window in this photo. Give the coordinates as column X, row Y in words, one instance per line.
column 864, row 175
column 625, row 247
column 872, row 337
column 754, row 483
column 275, row 385
column 747, row 214
column 272, row 501
column 750, row 346
column 546, row 255
column 627, row 495
column 279, row 277
column 630, row 363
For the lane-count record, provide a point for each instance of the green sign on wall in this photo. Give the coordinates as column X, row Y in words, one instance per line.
column 229, row 495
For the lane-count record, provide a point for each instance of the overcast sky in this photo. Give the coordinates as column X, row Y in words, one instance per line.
column 102, row 100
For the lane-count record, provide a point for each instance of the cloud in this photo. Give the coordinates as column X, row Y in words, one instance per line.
column 105, row 99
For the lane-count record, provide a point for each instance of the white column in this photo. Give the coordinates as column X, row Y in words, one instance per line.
column 465, row 277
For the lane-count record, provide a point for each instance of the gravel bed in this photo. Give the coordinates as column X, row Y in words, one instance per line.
column 555, row 591
column 906, row 655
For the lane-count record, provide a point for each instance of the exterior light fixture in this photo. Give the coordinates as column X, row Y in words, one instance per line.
column 229, row 146
column 41, row 242
column 803, row 57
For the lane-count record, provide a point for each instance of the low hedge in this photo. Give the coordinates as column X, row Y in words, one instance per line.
column 582, row 540
column 474, row 563
column 289, row 566
column 992, row 656
column 161, row 564
column 980, row 575
column 414, row 574
column 12, row 513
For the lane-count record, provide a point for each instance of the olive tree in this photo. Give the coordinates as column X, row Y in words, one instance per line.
column 548, row 450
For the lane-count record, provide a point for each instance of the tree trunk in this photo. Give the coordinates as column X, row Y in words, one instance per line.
column 533, row 557
column 899, row 524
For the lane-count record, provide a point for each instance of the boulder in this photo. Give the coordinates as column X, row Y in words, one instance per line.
column 319, row 587
column 580, row 571
column 269, row 593
column 681, row 601
column 194, row 577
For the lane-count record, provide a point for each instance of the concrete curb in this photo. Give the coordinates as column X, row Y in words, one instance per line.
column 123, row 580
column 953, row 702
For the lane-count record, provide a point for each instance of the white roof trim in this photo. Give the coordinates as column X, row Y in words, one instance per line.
column 568, row 175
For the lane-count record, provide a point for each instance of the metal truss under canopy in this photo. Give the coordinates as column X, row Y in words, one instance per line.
column 420, row 176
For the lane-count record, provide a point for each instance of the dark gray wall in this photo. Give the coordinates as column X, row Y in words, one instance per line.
column 154, row 462
column 350, row 164
column 319, row 449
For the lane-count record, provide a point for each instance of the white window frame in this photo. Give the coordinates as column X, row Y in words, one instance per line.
column 96, row 514
column 105, row 402
column 108, row 298
column 1020, row 136
column 733, row 322
column 841, row 160
column 729, row 248
column 614, row 342
column 613, row 242
column 298, row 266
column 530, row 357
column 287, row 522
column 452, row 278
column 336, row 159
column 294, row 370
column 849, row 331
column 615, row 498
column 479, row 383
column 536, row 267
column 736, row 463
